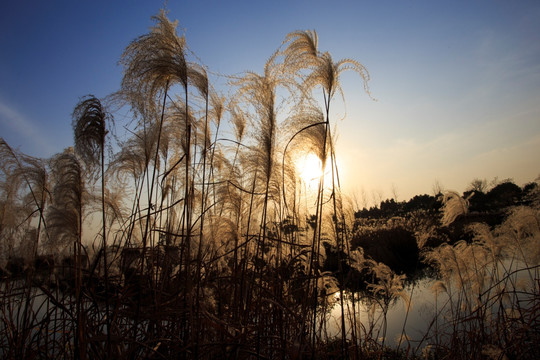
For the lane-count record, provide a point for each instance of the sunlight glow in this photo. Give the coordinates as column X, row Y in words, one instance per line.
column 309, row 168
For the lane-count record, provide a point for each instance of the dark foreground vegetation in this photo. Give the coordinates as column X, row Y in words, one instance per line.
column 185, row 240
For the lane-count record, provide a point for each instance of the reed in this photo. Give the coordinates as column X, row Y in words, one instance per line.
column 491, row 285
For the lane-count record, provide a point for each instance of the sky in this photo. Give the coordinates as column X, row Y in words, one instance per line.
column 455, row 85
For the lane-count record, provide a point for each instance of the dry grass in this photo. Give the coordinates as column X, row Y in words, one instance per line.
column 189, row 244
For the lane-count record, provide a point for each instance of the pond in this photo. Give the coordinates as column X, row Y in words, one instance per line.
column 437, row 311
column 411, row 318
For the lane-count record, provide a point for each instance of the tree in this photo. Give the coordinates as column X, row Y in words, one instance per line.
column 478, row 185
column 503, row 195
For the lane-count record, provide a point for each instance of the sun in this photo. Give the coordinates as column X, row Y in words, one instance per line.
column 309, row 168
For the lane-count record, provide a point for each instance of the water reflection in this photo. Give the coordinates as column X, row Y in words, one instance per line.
column 438, row 310
column 413, row 319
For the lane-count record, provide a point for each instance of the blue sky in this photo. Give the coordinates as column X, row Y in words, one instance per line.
column 457, row 83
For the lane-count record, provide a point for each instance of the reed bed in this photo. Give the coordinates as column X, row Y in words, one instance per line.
column 194, row 236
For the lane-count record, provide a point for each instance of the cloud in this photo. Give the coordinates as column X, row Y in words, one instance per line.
column 32, row 135
column 502, row 148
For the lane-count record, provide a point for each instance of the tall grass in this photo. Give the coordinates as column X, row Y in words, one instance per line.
column 207, row 243
column 491, row 288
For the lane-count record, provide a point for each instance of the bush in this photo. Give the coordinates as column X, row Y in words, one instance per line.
column 396, row 247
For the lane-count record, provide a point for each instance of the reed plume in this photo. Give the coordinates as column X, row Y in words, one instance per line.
column 153, row 62
column 301, row 55
column 65, row 215
column 453, row 206
column 89, row 126
column 65, row 218
column 23, row 170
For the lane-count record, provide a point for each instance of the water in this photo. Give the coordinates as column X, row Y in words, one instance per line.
column 431, row 316
column 414, row 318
